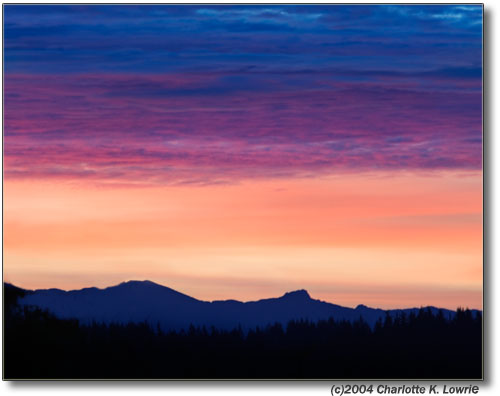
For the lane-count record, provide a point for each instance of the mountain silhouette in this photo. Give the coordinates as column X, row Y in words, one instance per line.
column 146, row 301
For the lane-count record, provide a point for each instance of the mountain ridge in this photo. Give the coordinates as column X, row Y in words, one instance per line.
column 159, row 305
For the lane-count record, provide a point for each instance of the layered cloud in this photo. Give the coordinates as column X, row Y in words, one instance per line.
column 173, row 128
column 207, row 94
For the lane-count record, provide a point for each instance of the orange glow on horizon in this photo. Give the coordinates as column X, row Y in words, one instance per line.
column 385, row 239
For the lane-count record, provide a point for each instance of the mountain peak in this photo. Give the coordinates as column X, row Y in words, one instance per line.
column 297, row 295
column 138, row 283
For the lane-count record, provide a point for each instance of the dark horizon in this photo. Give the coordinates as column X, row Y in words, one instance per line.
column 39, row 345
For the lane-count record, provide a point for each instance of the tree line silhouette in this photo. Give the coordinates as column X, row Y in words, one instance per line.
column 38, row 345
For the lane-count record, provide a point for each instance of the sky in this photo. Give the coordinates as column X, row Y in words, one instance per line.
column 245, row 151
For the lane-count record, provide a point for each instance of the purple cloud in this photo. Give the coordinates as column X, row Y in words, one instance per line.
column 136, row 126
